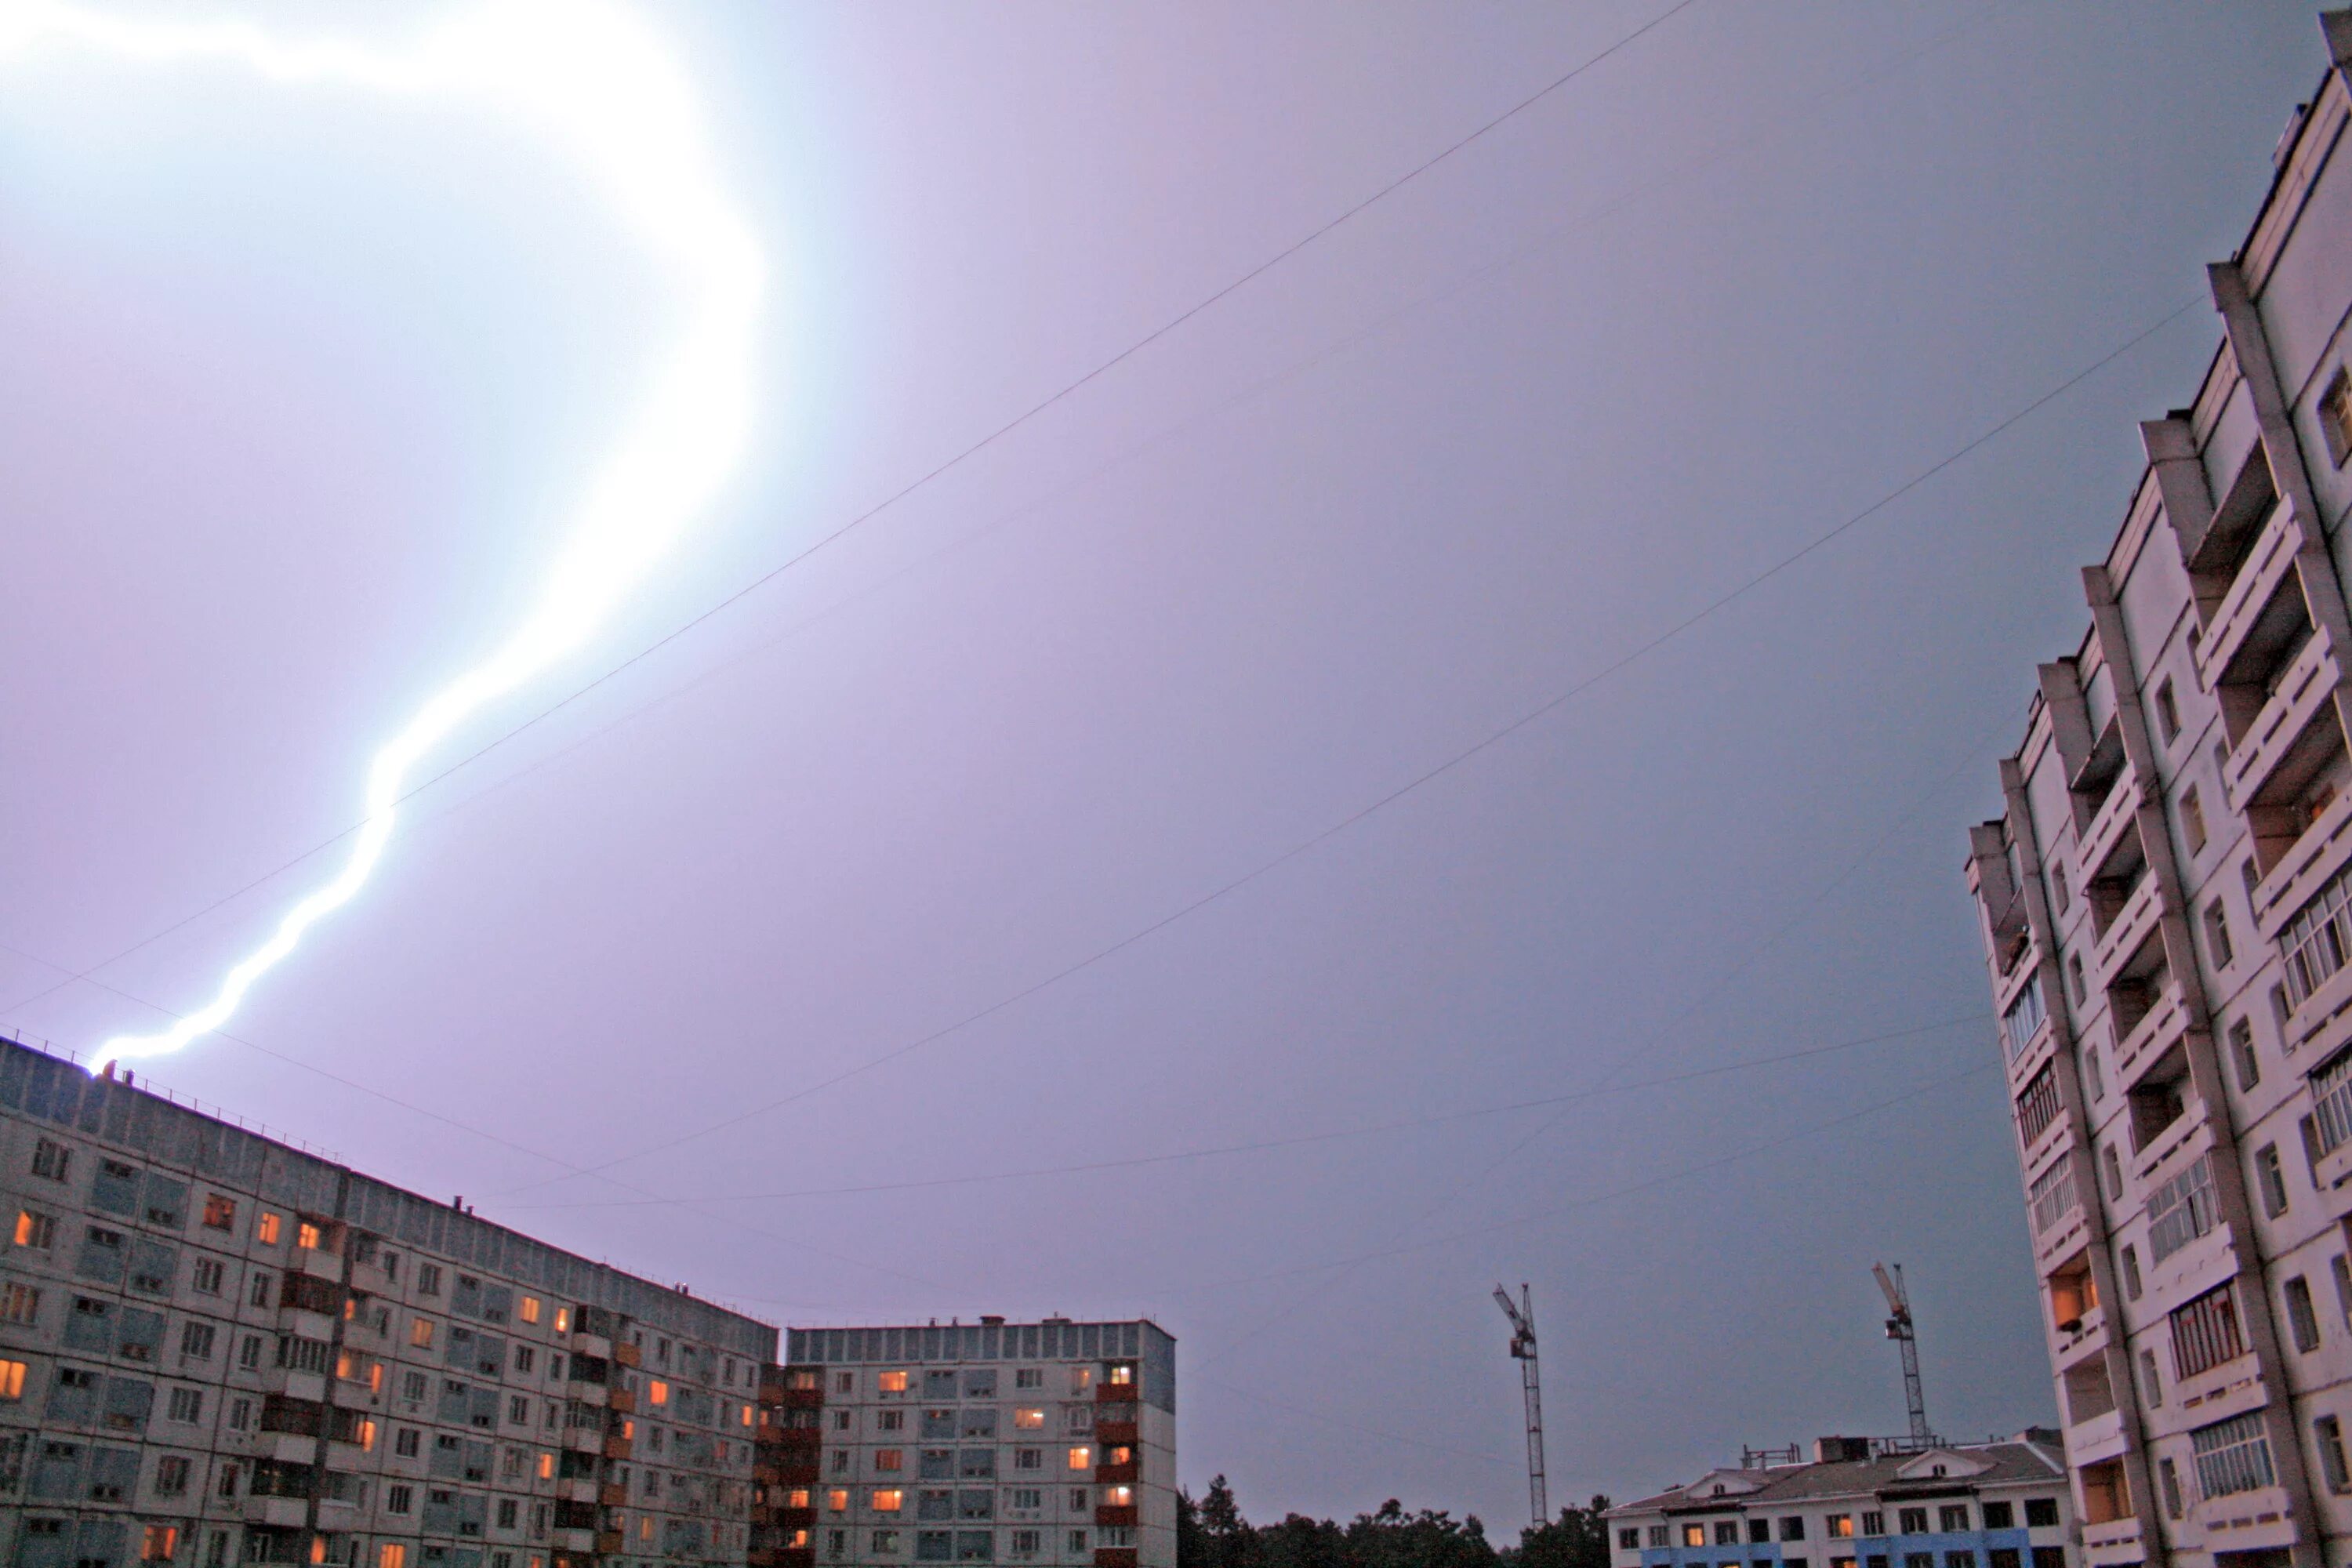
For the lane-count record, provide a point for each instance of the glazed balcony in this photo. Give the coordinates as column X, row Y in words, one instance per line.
column 2281, row 732
column 2267, row 571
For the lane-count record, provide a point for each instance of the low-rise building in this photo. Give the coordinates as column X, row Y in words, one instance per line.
column 1863, row 1505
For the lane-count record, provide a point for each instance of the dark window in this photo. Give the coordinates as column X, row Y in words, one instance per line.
column 1792, row 1528
column 2041, row 1513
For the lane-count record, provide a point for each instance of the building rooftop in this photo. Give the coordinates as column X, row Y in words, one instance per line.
column 2015, row 1462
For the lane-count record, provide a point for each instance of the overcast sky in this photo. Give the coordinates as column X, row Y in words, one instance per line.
column 293, row 390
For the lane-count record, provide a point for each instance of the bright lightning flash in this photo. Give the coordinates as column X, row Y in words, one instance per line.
column 606, row 92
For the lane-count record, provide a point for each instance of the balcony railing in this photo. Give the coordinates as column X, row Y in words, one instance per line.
column 2053, row 1195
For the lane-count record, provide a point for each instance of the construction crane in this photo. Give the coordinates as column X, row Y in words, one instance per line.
column 1522, row 1314
column 1899, row 1329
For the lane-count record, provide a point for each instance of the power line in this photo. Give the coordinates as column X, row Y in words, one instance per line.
column 1016, row 423
column 1491, row 738
column 1300, row 1140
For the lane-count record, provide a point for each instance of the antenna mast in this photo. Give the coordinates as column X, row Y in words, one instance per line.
column 1899, row 1329
column 1522, row 1314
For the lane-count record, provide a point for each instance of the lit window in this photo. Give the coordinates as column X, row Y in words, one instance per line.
column 894, row 1382
column 420, row 1333
column 888, row 1500
column 546, row 1467
column 1839, row 1525
column 1081, row 1458
column 1029, row 1418
column 305, row 1235
column 528, row 1311
column 161, row 1543
column 563, row 1320
column 837, row 1500
column 657, row 1391
column 12, row 1380
column 889, row 1458
column 797, row 1498
column 1122, row 1374
column 267, row 1231
column 1119, row 1496
column 36, row 1230
column 392, row 1554
column 1694, row 1535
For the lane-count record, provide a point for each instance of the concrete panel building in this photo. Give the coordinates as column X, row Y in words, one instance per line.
column 1051, row 1443
column 218, row 1349
column 2166, row 908
column 1862, row 1505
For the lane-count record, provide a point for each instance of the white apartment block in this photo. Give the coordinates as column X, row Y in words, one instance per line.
column 1860, row 1504
column 2167, row 905
column 216, row 1349
column 1050, row 1443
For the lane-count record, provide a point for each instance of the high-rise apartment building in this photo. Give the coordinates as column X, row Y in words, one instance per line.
column 216, row 1349
column 2167, row 903
column 1050, row 1443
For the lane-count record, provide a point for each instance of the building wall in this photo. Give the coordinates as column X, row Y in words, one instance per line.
column 267, row 1355
column 2182, row 797
column 995, row 1443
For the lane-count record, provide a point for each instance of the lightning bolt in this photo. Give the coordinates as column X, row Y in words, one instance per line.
column 606, row 92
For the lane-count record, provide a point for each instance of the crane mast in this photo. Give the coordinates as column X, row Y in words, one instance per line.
column 1522, row 1314
column 1900, row 1329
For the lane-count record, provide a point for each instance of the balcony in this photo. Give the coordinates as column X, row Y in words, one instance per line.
column 799, row 1472
column 316, row 1262
column 2268, row 568
column 278, row 1512
column 583, row 1439
column 2258, row 771
column 286, row 1448
column 622, row 1401
column 585, row 1393
column 617, row 1447
column 2308, row 863
column 2164, row 1023
column 627, row 1353
column 2112, row 1545
column 579, row 1488
column 1114, row 1557
column 588, row 1344
column 1112, row 1475
column 309, row 1387
column 1110, row 1515
column 2133, row 924
column 579, row 1540
column 2254, row 1520
column 1114, row 1433
column 1116, row 1393
column 612, row 1495
column 2108, row 826
column 801, row 1398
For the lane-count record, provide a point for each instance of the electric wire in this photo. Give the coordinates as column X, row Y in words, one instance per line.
column 1236, row 284
column 1400, row 792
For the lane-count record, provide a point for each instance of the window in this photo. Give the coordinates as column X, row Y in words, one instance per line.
column 889, row 1458
column 260, row 1295
column 2151, row 1390
column 1873, row 1523
column 1028, row 1458
column 392, row 1554
column 2041, row 1513
column 509, row 1513
column 892, row 1381
column 837, row 1500
column 2000, row 1514
column 657, row 1391
column 1629, row 1538
column 186, row 1407
column 2074, row 981
column 12, row 1379
column 208, row 1278
column 2272, row 1179
column 2233, row 1456
column 2168, row 712
column 2111, row 1171
column 890, row 1420
column 2131, row 1289
column 1837, row 1526
column 2182, row 1209
column 1727, row 1532
column 1029, row 1377
column 2204, row 1335
column 1029, row 1418
column 2218, row 945
column 526, row 1358
column 399, row 1499
column 2167, row 1481
column 35, row 1230
column 51, row 1160
column 428, row 1283
column 888, row 1500
column 1792, row 1528
column 420, row 1333
column 2327, row 1431
column 2303, row 1322
column 1952, row 1519
column 248, row 1353
column 2058, row 887
column 307, row 1235
column 19, row 1304
column 2094, row 1081
column 2037, row 1106
column 2320, row 939
column 1082, row 1458
column 1694, row 1535
column 2024, row 1019
column 2249, row 1068
column 265, row 1230
column 2342, row 1273
column 158, row 1543
column 2192, row 820
column 2336, row 418
column 528, row 1310
column 195, row 1340
column 1657, row 1536
column 1912, row 1521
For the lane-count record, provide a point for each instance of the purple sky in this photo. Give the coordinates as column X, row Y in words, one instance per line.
column 294, row 389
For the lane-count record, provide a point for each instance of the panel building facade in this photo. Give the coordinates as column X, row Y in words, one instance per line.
column 216, row 1349
column 1862, row 1505
column 1051, row 1443
column 2166, row 908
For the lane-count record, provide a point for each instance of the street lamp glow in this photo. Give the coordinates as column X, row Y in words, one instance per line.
column 603, row 89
